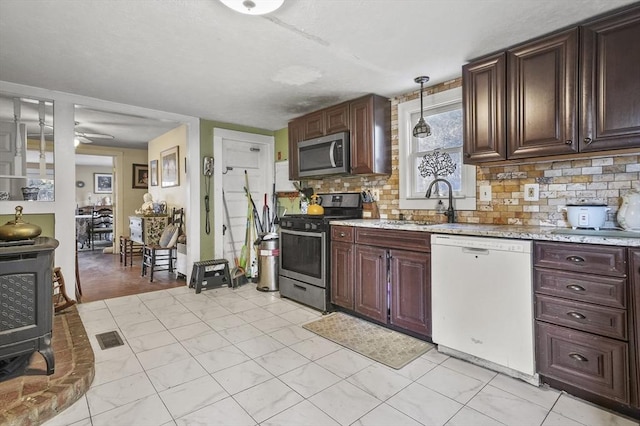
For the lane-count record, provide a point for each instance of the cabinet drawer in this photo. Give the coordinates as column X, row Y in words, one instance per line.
column 605, row 260
column 596, row 364
column 342, row 233
column 609, row 291
column 410, row 240
column 605, row 321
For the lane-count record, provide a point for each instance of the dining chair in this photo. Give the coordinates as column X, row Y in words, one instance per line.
column 162, row 256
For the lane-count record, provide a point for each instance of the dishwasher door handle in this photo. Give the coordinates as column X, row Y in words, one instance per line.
column 473, row 250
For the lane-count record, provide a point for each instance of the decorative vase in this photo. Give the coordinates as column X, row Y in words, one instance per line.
column 629, row 213
column 18, row 229
column 30, row 193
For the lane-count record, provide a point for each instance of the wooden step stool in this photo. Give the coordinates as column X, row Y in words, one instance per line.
column 214, row 272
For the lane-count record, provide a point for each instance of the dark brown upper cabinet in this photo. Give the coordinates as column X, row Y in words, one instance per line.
column 368, row 119
column 484, row 100
column 336, row 119
column 542, row 94
column 568, row 92
column 610, row 83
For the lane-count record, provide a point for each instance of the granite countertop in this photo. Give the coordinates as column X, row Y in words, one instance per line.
column 539, row 233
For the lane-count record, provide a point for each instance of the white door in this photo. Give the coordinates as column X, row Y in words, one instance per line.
column 235, row 153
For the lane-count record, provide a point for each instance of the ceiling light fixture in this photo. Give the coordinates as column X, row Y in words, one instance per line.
column 253, row 7
column 422, row 129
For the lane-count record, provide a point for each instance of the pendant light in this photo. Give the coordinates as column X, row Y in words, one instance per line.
column 422, row 129
column 253, row 7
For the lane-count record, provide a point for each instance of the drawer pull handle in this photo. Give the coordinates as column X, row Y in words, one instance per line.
column 578, row 357
column 576, row 315
column 587, row 141
column 568, row 142
column 576, row 259
column 299, row 287
column 342, row 234
column 575, row 287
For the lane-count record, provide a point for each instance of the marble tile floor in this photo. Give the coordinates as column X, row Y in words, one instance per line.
column 240, row 357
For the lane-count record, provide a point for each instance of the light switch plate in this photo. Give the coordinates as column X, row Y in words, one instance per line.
column 531, row 192
column 485, row 192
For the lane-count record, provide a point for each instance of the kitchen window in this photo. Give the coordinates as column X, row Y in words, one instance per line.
column 443, row 112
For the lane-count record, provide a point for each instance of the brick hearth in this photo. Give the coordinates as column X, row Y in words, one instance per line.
column 35, row 397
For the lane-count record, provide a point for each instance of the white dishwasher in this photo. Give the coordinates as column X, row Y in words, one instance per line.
column 482, row 302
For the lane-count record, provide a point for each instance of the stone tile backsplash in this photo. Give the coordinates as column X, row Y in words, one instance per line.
column 599, row 180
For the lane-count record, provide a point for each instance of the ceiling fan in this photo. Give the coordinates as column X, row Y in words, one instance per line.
column 81, row 137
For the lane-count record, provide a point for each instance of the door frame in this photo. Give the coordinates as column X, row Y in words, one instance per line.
column 268, row 142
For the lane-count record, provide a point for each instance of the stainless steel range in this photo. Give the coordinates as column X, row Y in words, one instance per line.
column 305, row 250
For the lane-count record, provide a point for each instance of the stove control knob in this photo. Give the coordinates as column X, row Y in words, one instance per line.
column 307, row 226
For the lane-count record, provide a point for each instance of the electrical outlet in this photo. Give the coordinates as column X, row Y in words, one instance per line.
column 485, row 192
column 531, row 192
column 376, row 194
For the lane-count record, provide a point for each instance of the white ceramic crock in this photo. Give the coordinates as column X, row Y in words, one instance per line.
column 587, row 215
column 629, row 212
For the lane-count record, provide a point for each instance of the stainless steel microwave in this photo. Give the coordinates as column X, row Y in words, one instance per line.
column 324, row 156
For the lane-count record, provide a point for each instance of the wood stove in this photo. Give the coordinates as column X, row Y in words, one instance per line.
column 26, row 307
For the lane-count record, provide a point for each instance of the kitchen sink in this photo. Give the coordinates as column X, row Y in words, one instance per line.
column 611, row 233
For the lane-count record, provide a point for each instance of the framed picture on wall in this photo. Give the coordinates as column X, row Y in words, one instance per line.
column 140, row 176
column 153, row 173
column 103, row 183
column 170, row 173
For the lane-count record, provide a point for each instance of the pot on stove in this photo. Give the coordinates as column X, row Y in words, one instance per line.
column 315, row 208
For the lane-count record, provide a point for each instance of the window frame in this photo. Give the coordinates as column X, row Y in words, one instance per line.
column 466, row 200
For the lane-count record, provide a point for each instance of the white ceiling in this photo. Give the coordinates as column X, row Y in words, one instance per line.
column 201, row 59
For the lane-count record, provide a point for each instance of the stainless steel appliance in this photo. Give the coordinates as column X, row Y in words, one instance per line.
column 305, row 250
column 323, row 156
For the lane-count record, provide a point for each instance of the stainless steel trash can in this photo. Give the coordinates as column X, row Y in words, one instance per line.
column 268, row 262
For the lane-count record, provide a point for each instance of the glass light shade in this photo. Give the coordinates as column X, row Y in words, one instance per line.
column 422, row 129
column 253, row 7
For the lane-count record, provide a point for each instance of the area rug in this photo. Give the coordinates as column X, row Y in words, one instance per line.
column 378, row 343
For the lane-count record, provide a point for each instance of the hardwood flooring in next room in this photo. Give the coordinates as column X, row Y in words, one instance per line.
column 102, row 276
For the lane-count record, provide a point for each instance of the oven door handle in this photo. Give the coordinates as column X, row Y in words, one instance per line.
column 302, row 233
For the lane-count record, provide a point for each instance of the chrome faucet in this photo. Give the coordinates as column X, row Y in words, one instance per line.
column 450, row 213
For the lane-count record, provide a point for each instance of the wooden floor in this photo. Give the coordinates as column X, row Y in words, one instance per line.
column 102, row 276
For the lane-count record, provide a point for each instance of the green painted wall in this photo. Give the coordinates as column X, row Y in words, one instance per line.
column 282, row 144
column 45, row 221
column 206, row 150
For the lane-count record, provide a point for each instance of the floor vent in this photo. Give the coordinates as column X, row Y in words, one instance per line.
column 110, row 339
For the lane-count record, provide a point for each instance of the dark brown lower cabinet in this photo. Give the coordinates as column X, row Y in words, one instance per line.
column 634, row 338
column 371, row 282
column 411, row 301
column 342, row 276
column 585, row 360
column 587, row 325
column 383, row 275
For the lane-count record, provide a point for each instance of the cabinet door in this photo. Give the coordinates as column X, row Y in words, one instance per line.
column 484, row 109
column 610, row 115
column 542, row 95
column 371, row 282
column 342, row 275
column 296, row 129
column 634, row 339
column 313, row 125
column 336, row 119
column 370, row 124
column 410, row 279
